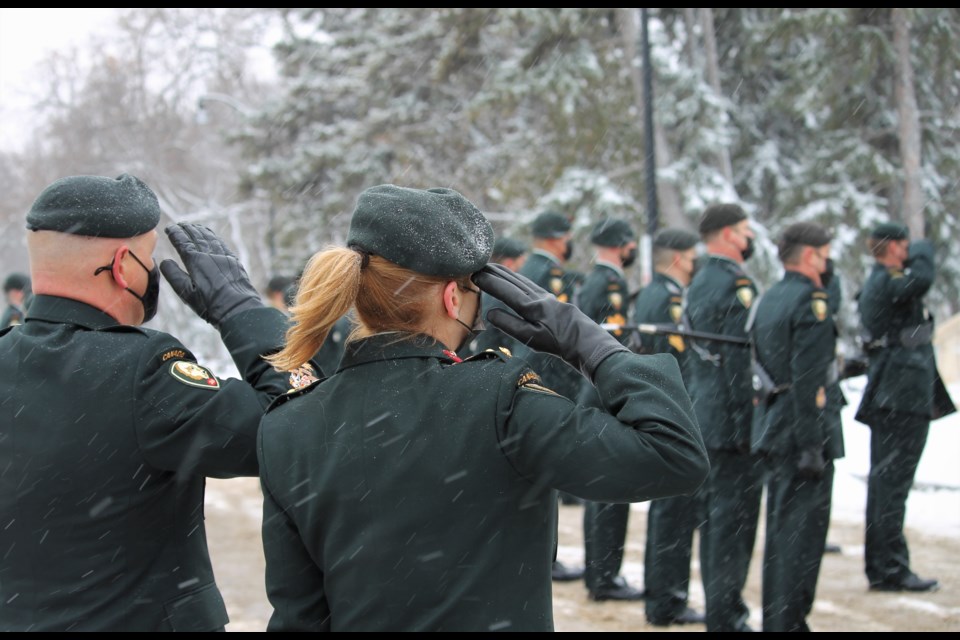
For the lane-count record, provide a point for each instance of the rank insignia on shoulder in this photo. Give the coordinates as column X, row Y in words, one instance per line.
column 745, row 296
column 819, row 309
column 191, row 373
column 302, row 376
column 531, row 381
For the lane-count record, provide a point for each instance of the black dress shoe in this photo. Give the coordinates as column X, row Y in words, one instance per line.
column 832, row 548
column 687, row 616
column 563, row 573
column 910, row 582
column 618, row 590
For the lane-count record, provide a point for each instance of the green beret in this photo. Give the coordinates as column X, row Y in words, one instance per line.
column 436, row 232
column 676, row 239
column 96, row 206
column 890, row 231
column 550, row 224
column 612, row 232
column 16, row 281
column 810, row 234
column 508, row 248
column 718, row 216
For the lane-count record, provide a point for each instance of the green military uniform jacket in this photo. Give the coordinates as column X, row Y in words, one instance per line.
column 545, row 270
column 604, row 297
column 902, row 369
column 718, row 301
column 795, row 342
column 107, row 433
column 328, row 357
column 661, row 302
column 413, row 492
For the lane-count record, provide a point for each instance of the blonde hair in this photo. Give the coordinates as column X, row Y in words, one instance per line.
column 385, row 297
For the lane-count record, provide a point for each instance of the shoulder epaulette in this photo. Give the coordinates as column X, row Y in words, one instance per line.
column 125, row 328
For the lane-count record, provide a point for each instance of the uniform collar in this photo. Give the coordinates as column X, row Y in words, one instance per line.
column 667, row 280
column 65, row 310
column 799, row 277
column 394, row 345
column 613, row 267
column 546, row 254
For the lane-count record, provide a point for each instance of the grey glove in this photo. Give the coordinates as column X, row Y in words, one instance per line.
column 215, row 284
column 811, row 464
column 545, row 323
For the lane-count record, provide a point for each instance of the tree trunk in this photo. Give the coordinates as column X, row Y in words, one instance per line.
column 713, row 77
column 909, row 128
column 671, row 213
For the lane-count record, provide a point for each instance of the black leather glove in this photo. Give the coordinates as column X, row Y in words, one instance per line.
column 215, row 284
column 811, row 464
column 545, row 323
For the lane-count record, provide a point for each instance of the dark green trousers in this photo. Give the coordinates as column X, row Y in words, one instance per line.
column 671, row 523
column 798, row 516
column 732, row 506
column 604, row 536
column 896, row 444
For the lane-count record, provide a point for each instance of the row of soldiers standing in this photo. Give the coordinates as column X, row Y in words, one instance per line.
column 783, row 436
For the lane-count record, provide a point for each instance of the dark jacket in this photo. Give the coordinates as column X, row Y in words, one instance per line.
column 661, row 302
column 409, row 492
column 718, row 301
column 796, row 344
column 901, row 373
column 106, row 435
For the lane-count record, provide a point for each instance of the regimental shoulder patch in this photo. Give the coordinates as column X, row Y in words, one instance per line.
column 745, row 296
column 677, row 343
column 895, row 273
column 531, row 381
column 302, row 376
column 820, row 294
column 819, row 307
column 617, row 319
column 556, row 285
column 821, row 399
column 676, row 313
column 744, row 282
column 191, row 373
column 615, row 298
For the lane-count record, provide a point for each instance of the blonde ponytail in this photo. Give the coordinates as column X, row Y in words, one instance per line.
column 327, row 290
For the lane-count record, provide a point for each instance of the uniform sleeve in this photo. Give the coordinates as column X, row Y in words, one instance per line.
column 736, row 358
column 808, row 370
column 917, row 278
column 294, row 581
column 188, row 420
column 644, row 443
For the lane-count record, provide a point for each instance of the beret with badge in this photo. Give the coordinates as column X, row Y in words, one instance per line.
column 676, row 239
column 16, row 281
column 436, row 232
column 890, row 231
column 718, row 216
column 550, row 224
column 97, row 206
column 508, row 248
column 612, row 232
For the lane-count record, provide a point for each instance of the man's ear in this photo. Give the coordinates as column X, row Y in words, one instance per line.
column 451, row 300
column 119, row 273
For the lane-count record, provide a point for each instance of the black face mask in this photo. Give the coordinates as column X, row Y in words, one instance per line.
column 630, row 258
column 827, row 274
column 568, row 252
column 151, row 296
column 748, row 251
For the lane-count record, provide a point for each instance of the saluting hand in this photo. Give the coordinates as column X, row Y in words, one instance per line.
column 215, row 284
column 545, row 323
